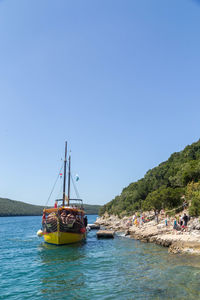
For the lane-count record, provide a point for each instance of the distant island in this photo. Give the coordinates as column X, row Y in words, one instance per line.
column 9, row 208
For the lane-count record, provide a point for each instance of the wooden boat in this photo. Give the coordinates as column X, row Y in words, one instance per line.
column 65, row 223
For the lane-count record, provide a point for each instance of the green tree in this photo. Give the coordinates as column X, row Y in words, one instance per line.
column 163, row 198
column 193, row 196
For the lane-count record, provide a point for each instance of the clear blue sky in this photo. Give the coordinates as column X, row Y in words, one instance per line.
column 119, row 80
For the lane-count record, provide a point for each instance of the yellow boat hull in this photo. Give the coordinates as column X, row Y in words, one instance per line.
column 63, row 238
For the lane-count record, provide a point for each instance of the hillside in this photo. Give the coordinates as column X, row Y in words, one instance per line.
column 92, row 209
column 17, row 208
column 163, row 186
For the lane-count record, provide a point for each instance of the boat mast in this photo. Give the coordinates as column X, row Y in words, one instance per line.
column 69, row 174
column 64, row 180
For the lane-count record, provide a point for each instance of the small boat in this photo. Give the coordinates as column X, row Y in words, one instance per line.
column 64, row 223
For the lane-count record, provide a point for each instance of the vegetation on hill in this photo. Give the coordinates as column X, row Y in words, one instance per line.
column 17, row 208
column 163, row 186
column 92, row 209
column 193, row 195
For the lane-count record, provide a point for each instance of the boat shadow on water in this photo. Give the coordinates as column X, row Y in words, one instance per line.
column 60, row 269
column 50, row 252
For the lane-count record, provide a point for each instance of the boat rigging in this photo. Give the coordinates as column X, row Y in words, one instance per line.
column 64, row 224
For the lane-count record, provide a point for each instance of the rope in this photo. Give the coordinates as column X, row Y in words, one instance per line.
column 75, row 188
column 74, row 185
column 60, row 191
column 53, row 186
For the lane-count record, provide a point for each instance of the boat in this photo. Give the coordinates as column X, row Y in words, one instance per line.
column 65, row 223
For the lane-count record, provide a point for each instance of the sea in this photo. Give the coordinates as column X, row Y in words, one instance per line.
column 119, row 268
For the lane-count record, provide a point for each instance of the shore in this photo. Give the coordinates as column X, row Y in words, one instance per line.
column 186, row 241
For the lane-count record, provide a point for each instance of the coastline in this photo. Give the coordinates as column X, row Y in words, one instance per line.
column 37, row 215
column 150, row 232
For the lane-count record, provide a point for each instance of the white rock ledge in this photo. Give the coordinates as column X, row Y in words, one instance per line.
column 177, row 241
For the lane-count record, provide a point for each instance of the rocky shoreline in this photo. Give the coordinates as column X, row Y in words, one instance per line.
column 186, row 241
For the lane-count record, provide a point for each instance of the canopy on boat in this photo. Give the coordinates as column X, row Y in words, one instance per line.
column 70, row 209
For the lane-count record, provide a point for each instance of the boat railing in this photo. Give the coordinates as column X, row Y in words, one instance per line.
column 73, row 202
column 76, row 202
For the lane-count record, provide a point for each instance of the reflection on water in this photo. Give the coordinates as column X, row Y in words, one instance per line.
column 51, row 254
column 61, row 272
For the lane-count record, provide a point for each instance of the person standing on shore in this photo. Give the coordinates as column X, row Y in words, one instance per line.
column 166, row 220
column 185, row 219
column 133, row 220
column 156, row 216
column 175, row 227
column 180, row 221
column 141, row 220
column 136, row 221
column 185, row 204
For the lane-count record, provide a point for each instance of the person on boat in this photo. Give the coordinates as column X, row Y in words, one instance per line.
column 70, row 217
column 43, row 218
column 78, row 219
column 63, row 216
column 56, row 204
column 51, row 217
column 85, row 221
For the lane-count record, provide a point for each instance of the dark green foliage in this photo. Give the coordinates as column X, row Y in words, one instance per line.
column 91, row 209
column 193, row 196
column 162, row 186
column 163, row 198
column 17, row 208
column 195, row 207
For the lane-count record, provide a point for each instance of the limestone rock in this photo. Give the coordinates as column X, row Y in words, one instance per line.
column 105, row 234
column 184, row 241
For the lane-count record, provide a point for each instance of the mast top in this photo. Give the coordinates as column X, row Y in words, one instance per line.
column 64, row 179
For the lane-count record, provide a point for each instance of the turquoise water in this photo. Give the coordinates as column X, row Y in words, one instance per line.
column 98, row 269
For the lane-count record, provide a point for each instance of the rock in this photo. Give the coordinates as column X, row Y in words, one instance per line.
column 160, row 226
column 106, row 215
column 177, row 241
column 105, row 234
column 127, row 232
column 195, row 232
column 185, row 247
column 94, row 226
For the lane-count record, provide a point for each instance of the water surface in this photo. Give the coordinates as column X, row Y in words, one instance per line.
column 121, row 268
